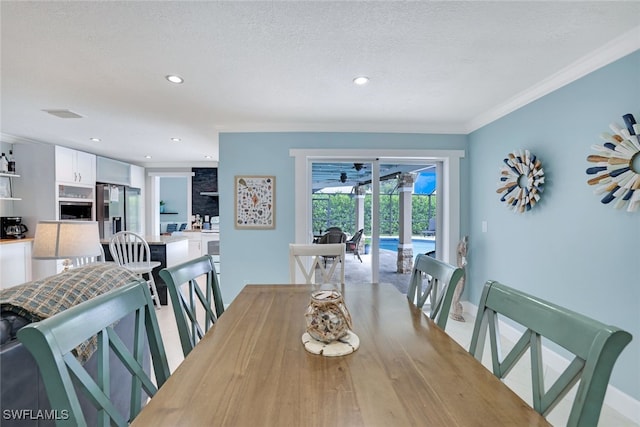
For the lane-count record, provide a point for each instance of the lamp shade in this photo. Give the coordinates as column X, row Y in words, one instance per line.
column 66, row 239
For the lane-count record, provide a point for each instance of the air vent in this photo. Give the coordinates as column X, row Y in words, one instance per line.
column 63, row 114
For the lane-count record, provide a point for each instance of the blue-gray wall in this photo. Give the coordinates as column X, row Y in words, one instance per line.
column 173, row 191
column 570, row 249
column 262, row 256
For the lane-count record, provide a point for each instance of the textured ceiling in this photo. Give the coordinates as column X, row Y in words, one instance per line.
column 441, row 67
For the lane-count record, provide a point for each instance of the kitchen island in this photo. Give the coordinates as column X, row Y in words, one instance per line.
column 168, row 250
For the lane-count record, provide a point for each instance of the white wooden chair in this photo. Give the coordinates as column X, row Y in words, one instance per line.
column 85, row 260
column 301, row 254
column 131, row 251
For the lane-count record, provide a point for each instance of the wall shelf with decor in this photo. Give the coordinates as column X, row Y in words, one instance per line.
column 169, row 213
column 6, row 186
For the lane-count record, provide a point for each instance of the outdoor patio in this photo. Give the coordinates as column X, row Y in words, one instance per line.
column 360, row 272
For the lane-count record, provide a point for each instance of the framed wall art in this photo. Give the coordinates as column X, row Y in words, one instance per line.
column 255, row 198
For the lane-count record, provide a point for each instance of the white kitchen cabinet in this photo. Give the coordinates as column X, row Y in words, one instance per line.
column 112, row 171
column 75, row 167
column 15, row 263
column 137, row 176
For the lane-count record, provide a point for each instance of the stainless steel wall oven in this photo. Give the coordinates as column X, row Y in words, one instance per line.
column 76, row 210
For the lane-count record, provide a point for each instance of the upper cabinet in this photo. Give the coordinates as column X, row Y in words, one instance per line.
column 112, row 171
column 75, row 167
column 137, row 176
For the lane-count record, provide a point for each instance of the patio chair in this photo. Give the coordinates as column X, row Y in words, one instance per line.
column 594, row 345
column 332, row 236
column 299, row 255
column 353, row 244
column 441, row 278
column 431, row 229
column 52, row 343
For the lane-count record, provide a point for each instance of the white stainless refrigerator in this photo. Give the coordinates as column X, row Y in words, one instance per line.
column 118, row 208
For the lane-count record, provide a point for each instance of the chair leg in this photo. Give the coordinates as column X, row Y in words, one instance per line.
column 155, row 297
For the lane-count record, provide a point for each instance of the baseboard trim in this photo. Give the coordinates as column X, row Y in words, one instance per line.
column 614, row 398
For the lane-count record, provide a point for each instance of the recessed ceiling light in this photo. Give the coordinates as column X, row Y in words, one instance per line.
column 176, row 139
column 361, row 80
column 95, row 139
column 174, row 78
column 147, row 156
column 208, row 157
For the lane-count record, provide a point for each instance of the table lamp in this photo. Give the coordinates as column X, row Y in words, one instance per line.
column 66, row 240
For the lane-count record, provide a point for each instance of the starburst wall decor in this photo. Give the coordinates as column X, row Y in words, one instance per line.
column 521, row 181
column 617, row 166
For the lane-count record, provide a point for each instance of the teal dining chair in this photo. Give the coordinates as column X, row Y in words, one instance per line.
column 187, row 303
column 595, row 347
column 53, row 342
column 435, row 280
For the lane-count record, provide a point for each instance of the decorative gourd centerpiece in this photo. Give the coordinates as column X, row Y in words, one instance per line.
column 328, row 325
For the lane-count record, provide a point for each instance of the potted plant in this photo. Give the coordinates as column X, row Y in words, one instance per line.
column 162, row 204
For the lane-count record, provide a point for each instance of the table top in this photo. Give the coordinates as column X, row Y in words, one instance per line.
column 252, row 369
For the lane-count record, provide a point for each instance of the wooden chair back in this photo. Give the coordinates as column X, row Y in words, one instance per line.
column 434, row 280
column 594, row 345
column 308, row 258
column 52, row 342
column 196, row 274
column 80, row 261
column 127, row 247
column 131, row 251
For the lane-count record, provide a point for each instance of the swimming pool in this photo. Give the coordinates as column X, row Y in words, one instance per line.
column 420, row 246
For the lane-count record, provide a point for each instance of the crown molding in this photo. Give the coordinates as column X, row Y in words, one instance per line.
column 363, row 127
column 12, row 139
column 619, row 47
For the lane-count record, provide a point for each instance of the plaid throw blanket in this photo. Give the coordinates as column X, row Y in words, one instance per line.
column 43, row 298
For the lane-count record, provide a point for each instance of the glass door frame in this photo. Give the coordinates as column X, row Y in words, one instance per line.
column 448, row 213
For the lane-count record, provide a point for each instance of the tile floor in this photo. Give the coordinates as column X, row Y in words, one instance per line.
column 519, row 379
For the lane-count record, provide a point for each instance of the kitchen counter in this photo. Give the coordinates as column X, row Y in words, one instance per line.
column 15, row 261
column 201, row 242
column 157, row 239
column 9, row 241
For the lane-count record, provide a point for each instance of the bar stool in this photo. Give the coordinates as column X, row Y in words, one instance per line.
column 131, row 251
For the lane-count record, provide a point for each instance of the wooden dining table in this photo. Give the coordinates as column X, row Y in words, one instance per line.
column 251, row 369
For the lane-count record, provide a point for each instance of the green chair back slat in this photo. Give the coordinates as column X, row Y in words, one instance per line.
column 186, row 307
column 595, row 347
column 51, row 342
column 441, row 280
